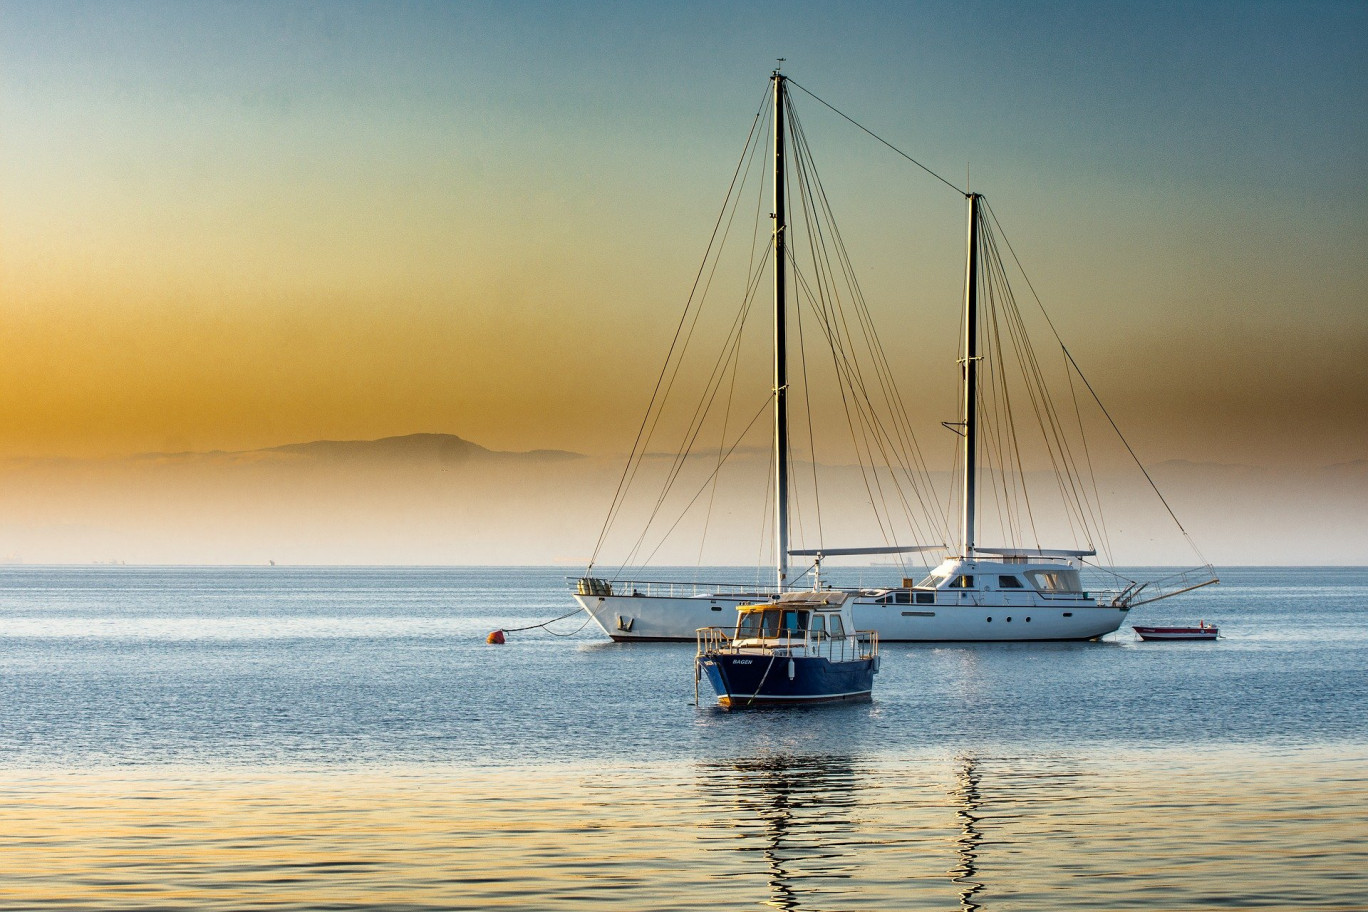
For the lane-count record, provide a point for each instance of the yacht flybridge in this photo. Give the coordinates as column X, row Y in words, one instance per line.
column 975, row 592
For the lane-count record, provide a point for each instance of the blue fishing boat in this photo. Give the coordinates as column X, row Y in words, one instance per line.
column 799, row 648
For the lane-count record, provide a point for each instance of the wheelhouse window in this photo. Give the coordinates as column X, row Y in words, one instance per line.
column 835, row 628
column 758, row 624
column 962, row 582
column 818, row 626
column 1009, row 582
column 1055, row 580
column 934, row 581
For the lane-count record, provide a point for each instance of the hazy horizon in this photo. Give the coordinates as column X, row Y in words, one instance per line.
column 245, row 226
column 437, row 500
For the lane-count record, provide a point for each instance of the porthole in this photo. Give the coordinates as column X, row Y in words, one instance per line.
column 990, row 620
column 1009, row 620
column 1068, row 614
column 1028, row 620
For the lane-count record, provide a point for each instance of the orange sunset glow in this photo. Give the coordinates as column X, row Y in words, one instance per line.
column 230, row 232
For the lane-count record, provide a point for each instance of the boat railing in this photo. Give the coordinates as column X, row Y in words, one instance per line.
column 862, row 644
column 1184, row 581
column 594, row 586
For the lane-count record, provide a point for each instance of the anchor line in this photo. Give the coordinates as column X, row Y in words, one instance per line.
column 763, row 678
column 552, row 621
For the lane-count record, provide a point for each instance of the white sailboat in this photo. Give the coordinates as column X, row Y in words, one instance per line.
column 977, row 593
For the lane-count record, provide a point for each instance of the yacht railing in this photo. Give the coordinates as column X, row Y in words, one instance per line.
column 593, row 586
column 950, row 598
column 1166, row 587
column 862, row 644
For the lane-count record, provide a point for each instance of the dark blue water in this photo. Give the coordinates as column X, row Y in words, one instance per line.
column 307, row 666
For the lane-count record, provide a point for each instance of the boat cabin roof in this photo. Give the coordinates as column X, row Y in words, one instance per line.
column 820, row 600
column 1044, row 574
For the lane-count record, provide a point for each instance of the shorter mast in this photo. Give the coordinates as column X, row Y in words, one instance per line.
column 781, row 530
column 970, row 362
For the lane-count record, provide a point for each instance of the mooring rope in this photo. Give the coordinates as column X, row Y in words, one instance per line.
column 544, row 624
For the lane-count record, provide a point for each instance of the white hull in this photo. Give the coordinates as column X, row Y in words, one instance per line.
column 646, row 618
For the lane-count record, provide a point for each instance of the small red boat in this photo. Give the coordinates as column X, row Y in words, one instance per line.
column 1203, row 631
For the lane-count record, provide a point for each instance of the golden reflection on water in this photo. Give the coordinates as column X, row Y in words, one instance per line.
column 990, row 833
column 794, row 813
column 966, row 844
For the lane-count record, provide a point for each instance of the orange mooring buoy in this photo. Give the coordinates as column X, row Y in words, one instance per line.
column 497, row 637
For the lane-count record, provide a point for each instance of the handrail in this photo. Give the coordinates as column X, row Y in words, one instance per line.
column 1169, row 586
column 588, row 585
column 861, row 644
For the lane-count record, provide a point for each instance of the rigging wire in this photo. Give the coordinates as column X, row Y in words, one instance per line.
column 730, row 351
column 704, row 405
column 1105, row 538
column 625, row 481
column 1069, row 355
column 751, row 269
column 763, row 406
column 831, row 291
column 847, row 117
column 1056, row 443
column 826, row 301
column 812, row 437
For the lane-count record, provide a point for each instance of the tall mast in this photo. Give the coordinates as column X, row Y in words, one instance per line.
column 781, row 529
column 971, row 358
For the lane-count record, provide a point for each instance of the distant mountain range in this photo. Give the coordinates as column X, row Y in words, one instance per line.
column 442, row 499
column 440, row 448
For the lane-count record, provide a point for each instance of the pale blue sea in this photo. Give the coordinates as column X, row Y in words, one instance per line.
column 344, row 738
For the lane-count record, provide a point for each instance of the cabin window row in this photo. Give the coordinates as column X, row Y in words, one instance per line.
column 789, row 623
column 1040, row 580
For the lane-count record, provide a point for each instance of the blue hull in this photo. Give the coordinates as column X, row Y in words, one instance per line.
column 756, row 679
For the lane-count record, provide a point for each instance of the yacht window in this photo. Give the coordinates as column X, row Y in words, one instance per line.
column 926, row 598
column 1009, row 582
column 963, row 582
column 795, row 620
column 903, row 598
column 934, row 581
column 1055, row 580
column 818, row 628
column 835, row 626
column 884, row 599
column 758, row 624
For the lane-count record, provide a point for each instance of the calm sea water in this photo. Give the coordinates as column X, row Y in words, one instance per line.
column 288, row 738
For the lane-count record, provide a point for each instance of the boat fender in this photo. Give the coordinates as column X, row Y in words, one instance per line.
column 790, row 669
column 497, row 638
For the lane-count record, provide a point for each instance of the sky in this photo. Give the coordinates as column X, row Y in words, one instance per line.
column 240, row 225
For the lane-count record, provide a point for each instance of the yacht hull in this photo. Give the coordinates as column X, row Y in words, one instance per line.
column 648, row 618
column 769, row 678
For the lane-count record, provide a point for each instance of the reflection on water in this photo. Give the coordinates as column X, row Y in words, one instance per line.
column 967, row 797
column 819, row 833
column 796, row 814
